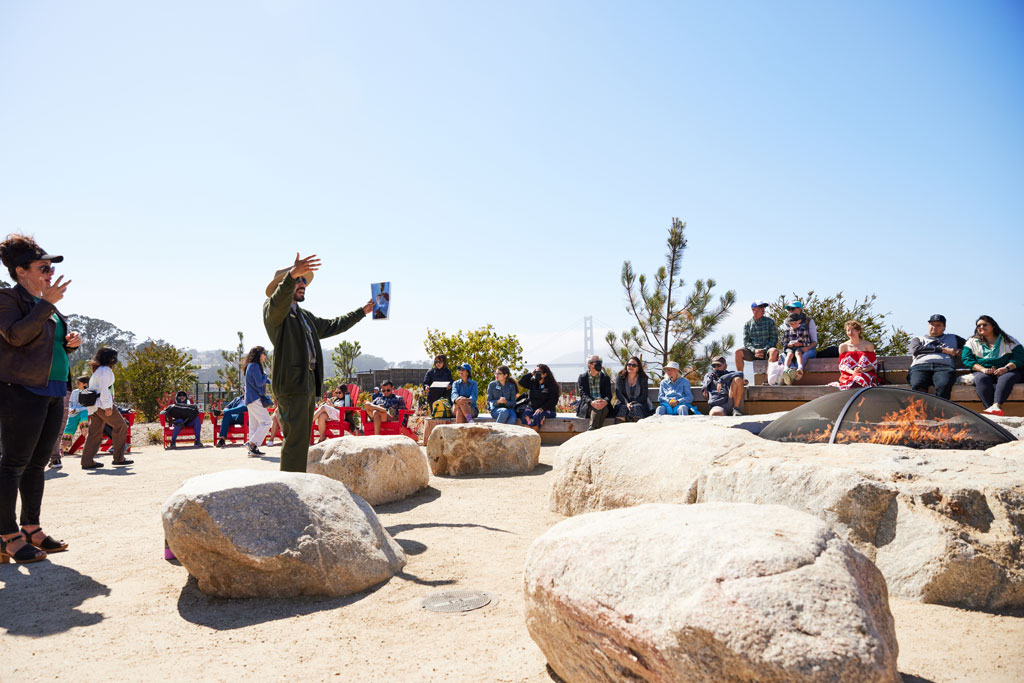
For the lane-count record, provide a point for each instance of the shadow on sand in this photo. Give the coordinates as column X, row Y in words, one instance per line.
column 427, row 495
column 225, row 614
column 537, row 471
column 32, row 606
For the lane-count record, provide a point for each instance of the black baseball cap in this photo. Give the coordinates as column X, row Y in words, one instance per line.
column 937, row 318
column 37, row 254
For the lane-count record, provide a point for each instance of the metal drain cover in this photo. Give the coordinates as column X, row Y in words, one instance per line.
column 456, row 601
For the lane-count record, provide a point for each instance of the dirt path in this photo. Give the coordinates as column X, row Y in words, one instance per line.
column 111, row 607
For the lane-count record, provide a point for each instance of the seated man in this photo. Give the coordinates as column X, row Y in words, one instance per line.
column 183, row 413
column 723, row 389
column 385, row 407
column 933, row 358
column 234, row 414
column 760, row 337
column 674, row 394
column 595, row 391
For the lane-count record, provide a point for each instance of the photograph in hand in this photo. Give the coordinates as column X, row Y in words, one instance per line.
column 380, row 295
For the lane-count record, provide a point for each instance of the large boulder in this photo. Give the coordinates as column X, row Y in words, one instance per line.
column 713, row 592
column 378, row 469
column 246, row 533
column 942, row 526
column 482, row 448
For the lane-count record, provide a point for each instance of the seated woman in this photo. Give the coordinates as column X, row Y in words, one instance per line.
column 675, row 397
column 544, row 392
column 465, row 394
column 501, row 396
column 78, row 420
column 996, row 359
column 631, row 392
column 858, row 365
column 438, row 373
column 329, row 411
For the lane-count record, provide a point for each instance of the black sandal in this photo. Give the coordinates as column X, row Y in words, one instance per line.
column 48, row 544
column 26, row 554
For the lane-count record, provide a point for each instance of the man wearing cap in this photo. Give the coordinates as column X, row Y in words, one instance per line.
column 933, row 355
column 674, row 394
column 297, row 377
column 760, row 337
column 723, row 389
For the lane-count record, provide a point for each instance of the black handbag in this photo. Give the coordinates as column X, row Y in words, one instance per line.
column 88, row 397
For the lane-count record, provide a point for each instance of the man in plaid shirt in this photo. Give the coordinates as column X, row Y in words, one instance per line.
column 760, row 337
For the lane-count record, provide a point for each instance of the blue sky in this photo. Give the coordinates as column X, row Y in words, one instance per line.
column 498, row 162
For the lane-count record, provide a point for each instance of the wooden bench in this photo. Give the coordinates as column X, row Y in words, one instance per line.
column 554, row 431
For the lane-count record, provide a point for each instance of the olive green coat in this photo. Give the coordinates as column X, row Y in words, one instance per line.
column 291, row 357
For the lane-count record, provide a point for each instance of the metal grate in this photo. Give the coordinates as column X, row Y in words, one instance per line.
column 456, row 601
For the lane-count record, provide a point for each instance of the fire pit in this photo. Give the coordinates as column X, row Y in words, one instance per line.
column 887, row 415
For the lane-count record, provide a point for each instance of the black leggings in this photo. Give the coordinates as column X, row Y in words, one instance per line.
column 29, row 426
column 995, row 389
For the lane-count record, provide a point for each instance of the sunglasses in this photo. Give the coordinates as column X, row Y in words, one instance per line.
column 46, row 269
column 632, row 365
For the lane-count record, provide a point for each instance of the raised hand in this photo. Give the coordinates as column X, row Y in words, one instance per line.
column 304, row 266
column 55, row 292
column 368, row 307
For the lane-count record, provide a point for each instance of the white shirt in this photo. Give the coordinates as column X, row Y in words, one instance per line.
column 102, row 380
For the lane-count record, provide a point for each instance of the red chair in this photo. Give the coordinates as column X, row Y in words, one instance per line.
column 338, row 427
column 236, row 433
column 185, row 431
column 106, row 443
column 396, row 426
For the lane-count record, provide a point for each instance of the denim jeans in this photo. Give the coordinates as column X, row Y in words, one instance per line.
column 923, row 375
column 505, row 416
column 808, row 354
column 995, row 389
column 181, row 424
column 677, row 409
column 231, row 417
column 535, row 418
column 29, row 426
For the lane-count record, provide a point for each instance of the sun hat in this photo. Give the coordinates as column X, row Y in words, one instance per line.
column 672, row 365
column 280, row 274
column 758, row 303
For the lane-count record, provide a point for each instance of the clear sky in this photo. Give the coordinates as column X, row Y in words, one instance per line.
column 498, row 161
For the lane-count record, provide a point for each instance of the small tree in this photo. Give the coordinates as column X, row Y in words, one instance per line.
column 229, row 377
column 482, row 349
column 344, row 357
column 831, row 313
column 150, row 372
column 670, row 329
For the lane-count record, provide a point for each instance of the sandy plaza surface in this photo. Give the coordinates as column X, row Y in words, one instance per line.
column 111, row 608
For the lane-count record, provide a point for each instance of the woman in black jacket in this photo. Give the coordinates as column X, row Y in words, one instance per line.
column 438, row 373
column 631, row 392
column 35, row 376
column 543, row 396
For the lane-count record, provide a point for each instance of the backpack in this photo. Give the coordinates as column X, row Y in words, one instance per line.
column 441, row 408
column 179, row 411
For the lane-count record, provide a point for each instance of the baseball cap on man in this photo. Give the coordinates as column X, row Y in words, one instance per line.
column 758, row 303
column 720, row 360
column 937, row 318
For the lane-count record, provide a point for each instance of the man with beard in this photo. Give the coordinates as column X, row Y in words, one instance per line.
column 297, row 376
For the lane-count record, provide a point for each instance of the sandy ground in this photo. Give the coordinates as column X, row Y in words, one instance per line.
column 111, row 607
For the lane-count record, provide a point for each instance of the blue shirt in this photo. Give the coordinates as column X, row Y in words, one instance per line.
column 255, row 383
column 467, row 389
column 678, row 390
column 495, row 391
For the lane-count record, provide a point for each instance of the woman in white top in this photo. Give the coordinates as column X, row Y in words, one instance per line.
column 103, row 412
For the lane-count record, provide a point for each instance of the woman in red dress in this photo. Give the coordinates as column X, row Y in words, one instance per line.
column 858, row 365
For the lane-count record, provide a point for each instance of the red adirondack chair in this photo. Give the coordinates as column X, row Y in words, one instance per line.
column 185, row 431
column 396, row 426
column 340, row 426
column 106, row 443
